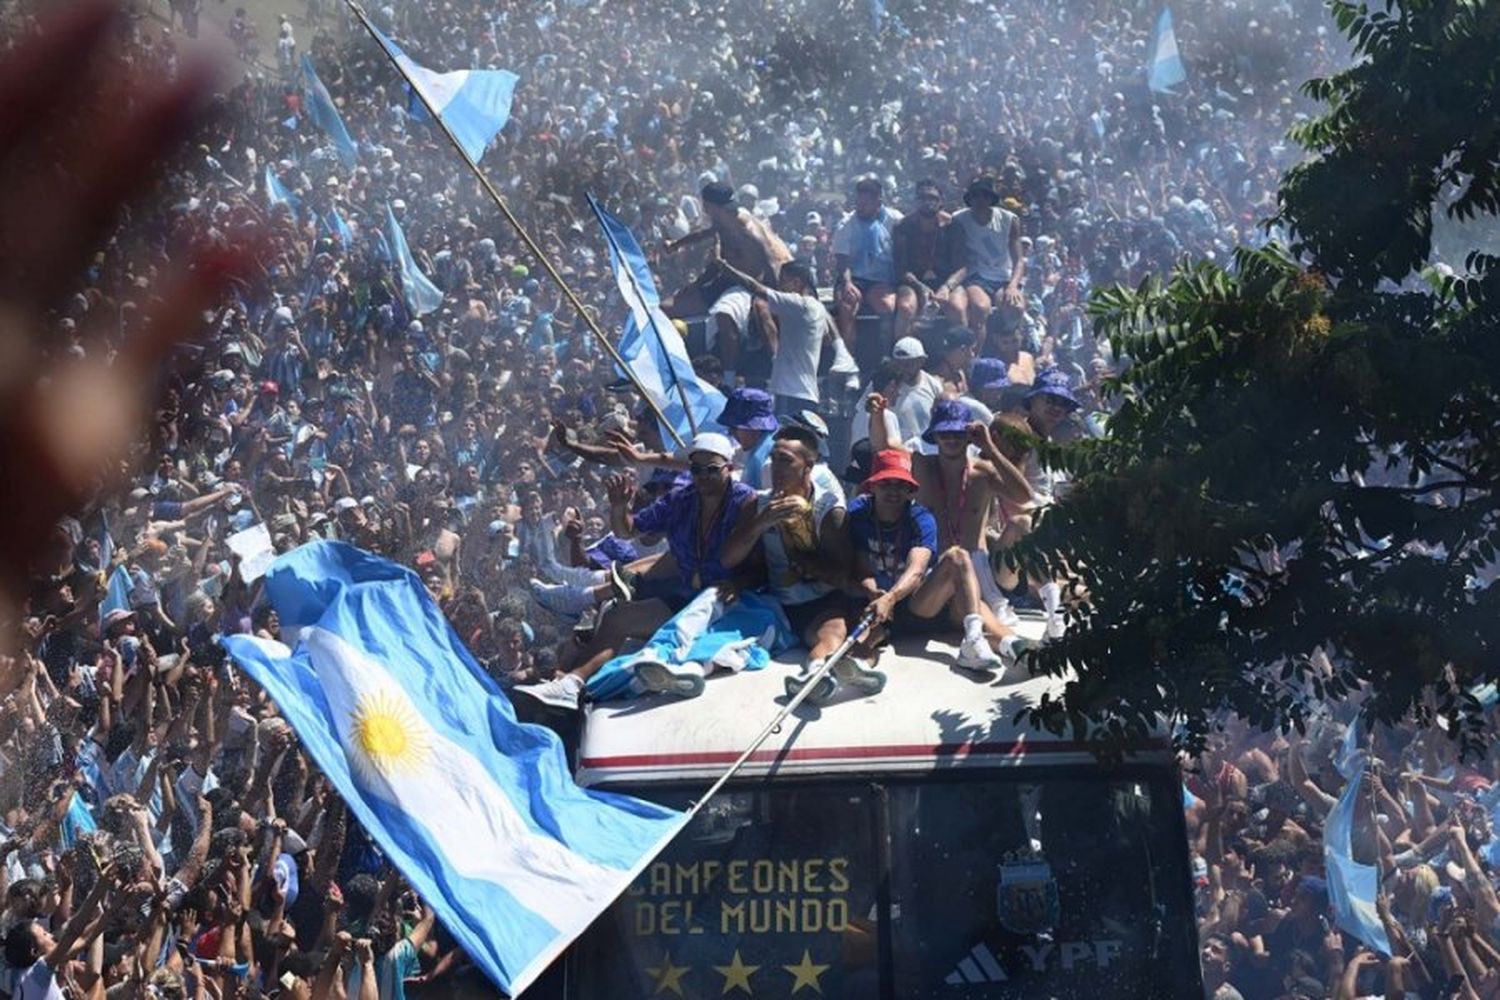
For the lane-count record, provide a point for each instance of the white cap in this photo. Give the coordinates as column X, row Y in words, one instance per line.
column 714, row 444
column 345, row 503
column 908, row 348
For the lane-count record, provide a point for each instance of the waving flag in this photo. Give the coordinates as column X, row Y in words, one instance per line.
column 335, row 226
column 477, row 810
column 277, row 194
column 116, row 594
column 473, row 103
column 421, row 295
column 1164, row 67
column 324, row 115
column 1352, row 886
column 650, row 344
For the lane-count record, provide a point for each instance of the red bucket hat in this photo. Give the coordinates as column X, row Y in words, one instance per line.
column 891, row 464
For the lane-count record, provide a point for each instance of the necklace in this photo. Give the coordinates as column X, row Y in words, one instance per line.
column 700, row 536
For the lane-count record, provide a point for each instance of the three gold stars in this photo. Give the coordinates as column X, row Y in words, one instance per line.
column 805, row 974
column 736, row 974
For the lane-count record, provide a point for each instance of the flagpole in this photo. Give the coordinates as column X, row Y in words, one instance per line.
column 650, row 316
column 515, row 223
column 829, row 662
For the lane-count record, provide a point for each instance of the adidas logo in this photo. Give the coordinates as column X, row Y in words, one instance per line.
column 978, row 966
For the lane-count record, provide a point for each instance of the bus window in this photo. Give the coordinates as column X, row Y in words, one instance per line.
column 1067, row 887
column 768, row 893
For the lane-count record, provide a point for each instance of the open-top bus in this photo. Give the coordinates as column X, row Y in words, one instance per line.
column 916, row 843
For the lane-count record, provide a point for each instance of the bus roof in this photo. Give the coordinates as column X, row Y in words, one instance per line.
column 932, row 715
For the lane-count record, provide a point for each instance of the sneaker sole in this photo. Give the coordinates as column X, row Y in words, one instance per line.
column 826, row 689
column 867, row 681
column 617, row 583
column 658, row 678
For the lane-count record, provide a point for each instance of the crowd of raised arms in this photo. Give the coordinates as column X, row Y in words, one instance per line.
column 876, row 229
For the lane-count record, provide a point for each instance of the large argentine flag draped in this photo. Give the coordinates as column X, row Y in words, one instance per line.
column 1164, row 67
column 1352, row 886
column 706, row 634
column 324, row 115
column 421, row 295
column 473, row 103
column 650, row 345
column 478, row 811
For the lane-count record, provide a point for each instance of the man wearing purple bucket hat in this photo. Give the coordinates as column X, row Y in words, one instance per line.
column 750, row 417
column 1049, row 402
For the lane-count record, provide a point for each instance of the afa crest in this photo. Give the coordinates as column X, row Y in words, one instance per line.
column 1026, row 893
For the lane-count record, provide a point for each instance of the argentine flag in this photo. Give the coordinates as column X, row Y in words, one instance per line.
column 1164, row 67
column 477, row 810
column 277, row 194
column 473, row 103
column 1352, row 886
column 321, row 110
column 650, row 344
column 421, row 295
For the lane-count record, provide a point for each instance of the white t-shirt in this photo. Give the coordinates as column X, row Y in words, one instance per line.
column 803, row 322
column 39, row 982
column 913, row 404
column 987, row 246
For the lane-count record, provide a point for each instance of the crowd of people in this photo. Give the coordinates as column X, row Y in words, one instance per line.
column 879, row 225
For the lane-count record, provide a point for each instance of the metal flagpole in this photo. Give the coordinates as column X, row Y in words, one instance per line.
column 829, row 663
column 515, row 223
column 635, row 285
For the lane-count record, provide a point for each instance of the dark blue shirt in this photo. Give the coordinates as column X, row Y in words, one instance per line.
column 889, row 546
column 676, row 516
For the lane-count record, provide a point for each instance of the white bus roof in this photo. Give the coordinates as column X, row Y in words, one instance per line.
column 932, row 715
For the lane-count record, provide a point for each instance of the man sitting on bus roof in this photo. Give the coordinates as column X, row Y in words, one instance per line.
column 909, row 587
column 697, row 519
column 797, row 525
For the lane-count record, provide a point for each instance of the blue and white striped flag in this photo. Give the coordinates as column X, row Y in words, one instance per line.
column 1164, row 66
column 473, row 103
column 421, row 295
column 336, row 226
column 477, row 810
column 277, row 194
column 321, row 110
column 1352, row 886
column 650, row 345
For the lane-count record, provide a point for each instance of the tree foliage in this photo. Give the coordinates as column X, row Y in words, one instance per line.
column 1297, row 494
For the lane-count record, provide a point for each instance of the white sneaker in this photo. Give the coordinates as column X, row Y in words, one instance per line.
column 685, row 680
column 859, row 674
column 565, row 600
column 978, row 654
column 1004, row 612
column 828, row 684
column 1017, row 659
column 560, row 692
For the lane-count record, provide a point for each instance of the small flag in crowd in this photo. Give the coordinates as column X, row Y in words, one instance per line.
column 477, row 810
column 1352, row 886
column 277, row 194
column 324, row 115
column 473, row 103
column 1164, row 66
column 335, row 225
column 421, row 295
column 117, row 594
column 650, row 345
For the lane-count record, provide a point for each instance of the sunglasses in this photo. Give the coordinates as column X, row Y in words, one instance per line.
column 712, row 469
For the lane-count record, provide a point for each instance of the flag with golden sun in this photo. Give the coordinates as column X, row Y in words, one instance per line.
column 476, row 809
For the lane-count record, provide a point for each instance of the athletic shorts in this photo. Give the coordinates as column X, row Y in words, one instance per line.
column 803, row 616
column 993, row 288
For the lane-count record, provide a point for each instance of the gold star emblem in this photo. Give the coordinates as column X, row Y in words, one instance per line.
column 668, row 976
column 806, row 973
column 736, row 974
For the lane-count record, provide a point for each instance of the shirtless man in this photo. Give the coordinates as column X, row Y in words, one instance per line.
column 749, row 245
column 961, row 491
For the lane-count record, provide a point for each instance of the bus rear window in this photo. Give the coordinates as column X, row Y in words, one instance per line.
column 766, row 894
column 1071, row 888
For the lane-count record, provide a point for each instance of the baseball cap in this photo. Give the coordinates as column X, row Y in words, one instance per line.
column 908, row 348
column 713, row 444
